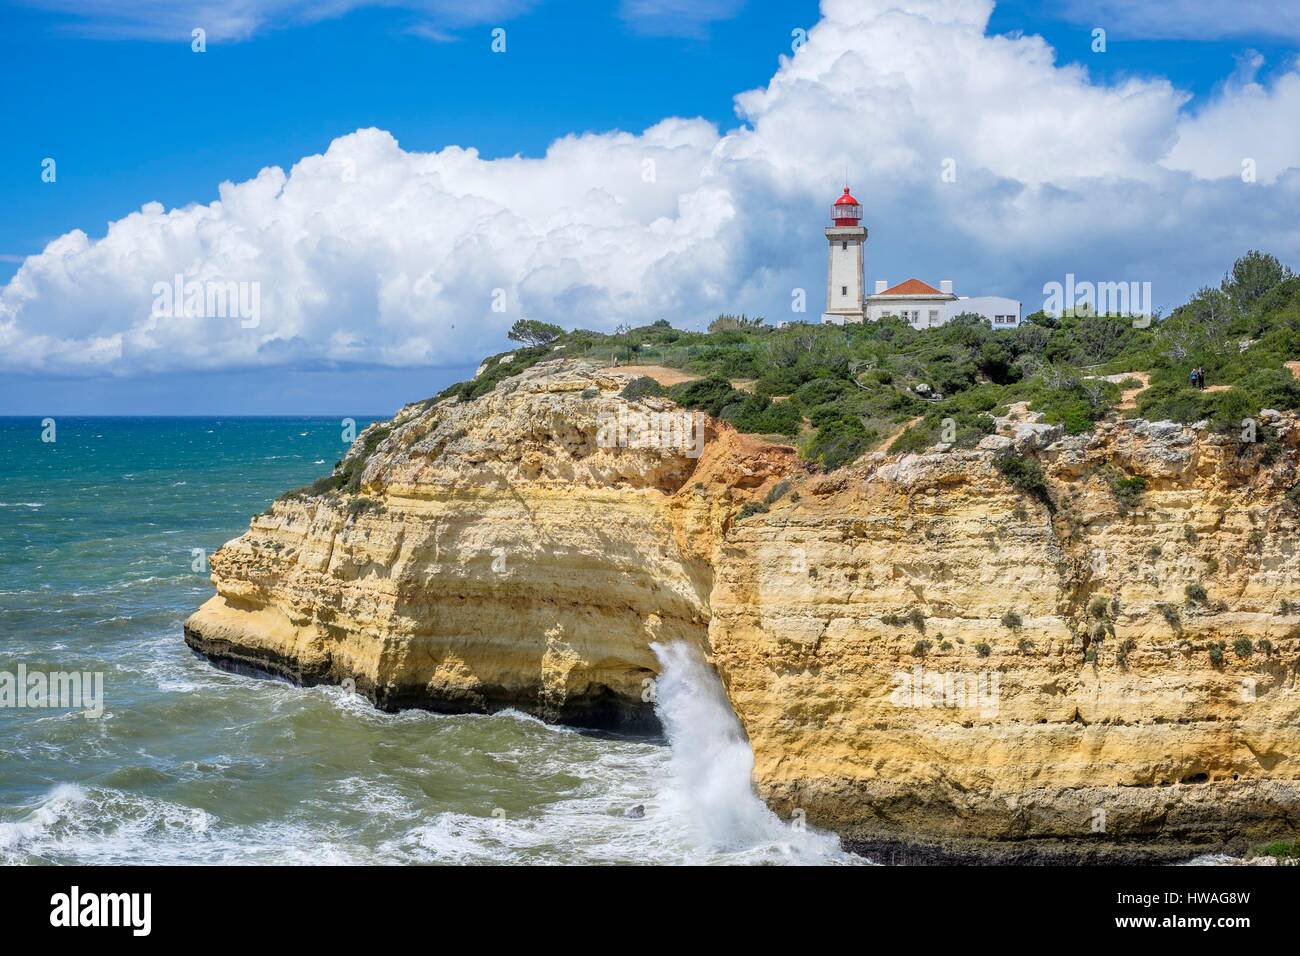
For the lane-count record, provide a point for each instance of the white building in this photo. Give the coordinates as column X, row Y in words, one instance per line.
column 844, row 275
column 920, row 304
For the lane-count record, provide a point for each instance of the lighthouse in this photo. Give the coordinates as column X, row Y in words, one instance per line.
column 844, row 284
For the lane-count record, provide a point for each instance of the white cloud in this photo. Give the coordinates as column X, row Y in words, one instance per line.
column 372, row 254
column 1248, row 123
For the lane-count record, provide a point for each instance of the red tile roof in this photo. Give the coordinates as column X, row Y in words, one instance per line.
column 912, row 287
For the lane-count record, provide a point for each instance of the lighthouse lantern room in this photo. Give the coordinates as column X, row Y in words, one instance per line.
column 844, row 292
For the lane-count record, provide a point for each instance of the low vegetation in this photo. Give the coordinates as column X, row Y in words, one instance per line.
column 346, row 476
column 840, row 391
column 1128, row 491
column 1026, row 474
column 843, row 390
column 1287, row 851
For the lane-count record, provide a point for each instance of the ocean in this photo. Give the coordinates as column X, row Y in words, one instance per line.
column 103, row 532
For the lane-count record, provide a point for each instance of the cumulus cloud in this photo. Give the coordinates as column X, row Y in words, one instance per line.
column 1249, row 129
column 372, row 254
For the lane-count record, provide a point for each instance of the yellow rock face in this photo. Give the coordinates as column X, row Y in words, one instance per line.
column 919, row 652
column 495, row 555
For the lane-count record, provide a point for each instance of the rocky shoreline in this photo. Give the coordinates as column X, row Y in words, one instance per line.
column 927, row 659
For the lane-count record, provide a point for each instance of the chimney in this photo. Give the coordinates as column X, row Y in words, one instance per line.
column 945, row 286
column 881, row 286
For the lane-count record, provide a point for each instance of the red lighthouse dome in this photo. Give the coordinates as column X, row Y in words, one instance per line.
column 847, row 211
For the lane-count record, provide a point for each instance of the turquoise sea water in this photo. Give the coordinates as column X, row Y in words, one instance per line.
column 192, row 764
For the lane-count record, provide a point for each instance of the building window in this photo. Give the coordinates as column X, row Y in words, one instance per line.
column 844, row 245
column 934, row 316
column 844, row 290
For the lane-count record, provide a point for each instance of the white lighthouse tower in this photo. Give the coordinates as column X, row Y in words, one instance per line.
column 844, row 293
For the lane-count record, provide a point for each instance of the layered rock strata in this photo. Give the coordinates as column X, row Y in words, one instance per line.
column 926, row 658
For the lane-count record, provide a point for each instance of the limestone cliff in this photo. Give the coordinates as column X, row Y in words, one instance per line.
column 493, row 556
column 922, row 654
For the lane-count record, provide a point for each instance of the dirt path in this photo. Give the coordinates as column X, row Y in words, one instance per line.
column 660, row 373
column 1294, row 367
column 674, row 376
column 1128, row 397
column 894, row 435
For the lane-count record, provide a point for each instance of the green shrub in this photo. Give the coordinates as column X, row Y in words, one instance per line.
column 1280, row 849
column 709, row 395
column 1243, row 647
column 761, row 416
column 362, row 505
column 777, row 491
column 855, row 383
column 1012, row 621
column 920, row 648
column 1122, row 652
column 1226, row 410
column 1128, row 491
column 820, row 391
column 1216, row 649
column 751, row 508
column 983, row 649
column 1024, row 474
column 839, row 442
column 523, row 360
column 966, row 430
column 1174, row 401
column 346, row 476
column 1196, row 592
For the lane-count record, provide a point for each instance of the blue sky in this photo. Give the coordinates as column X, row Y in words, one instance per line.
column 133, row 117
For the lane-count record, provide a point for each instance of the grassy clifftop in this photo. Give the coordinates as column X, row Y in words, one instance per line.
column 840, row 391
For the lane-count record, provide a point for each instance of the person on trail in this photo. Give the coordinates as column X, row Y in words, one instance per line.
column 1200, row 378
column 1195, row 378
